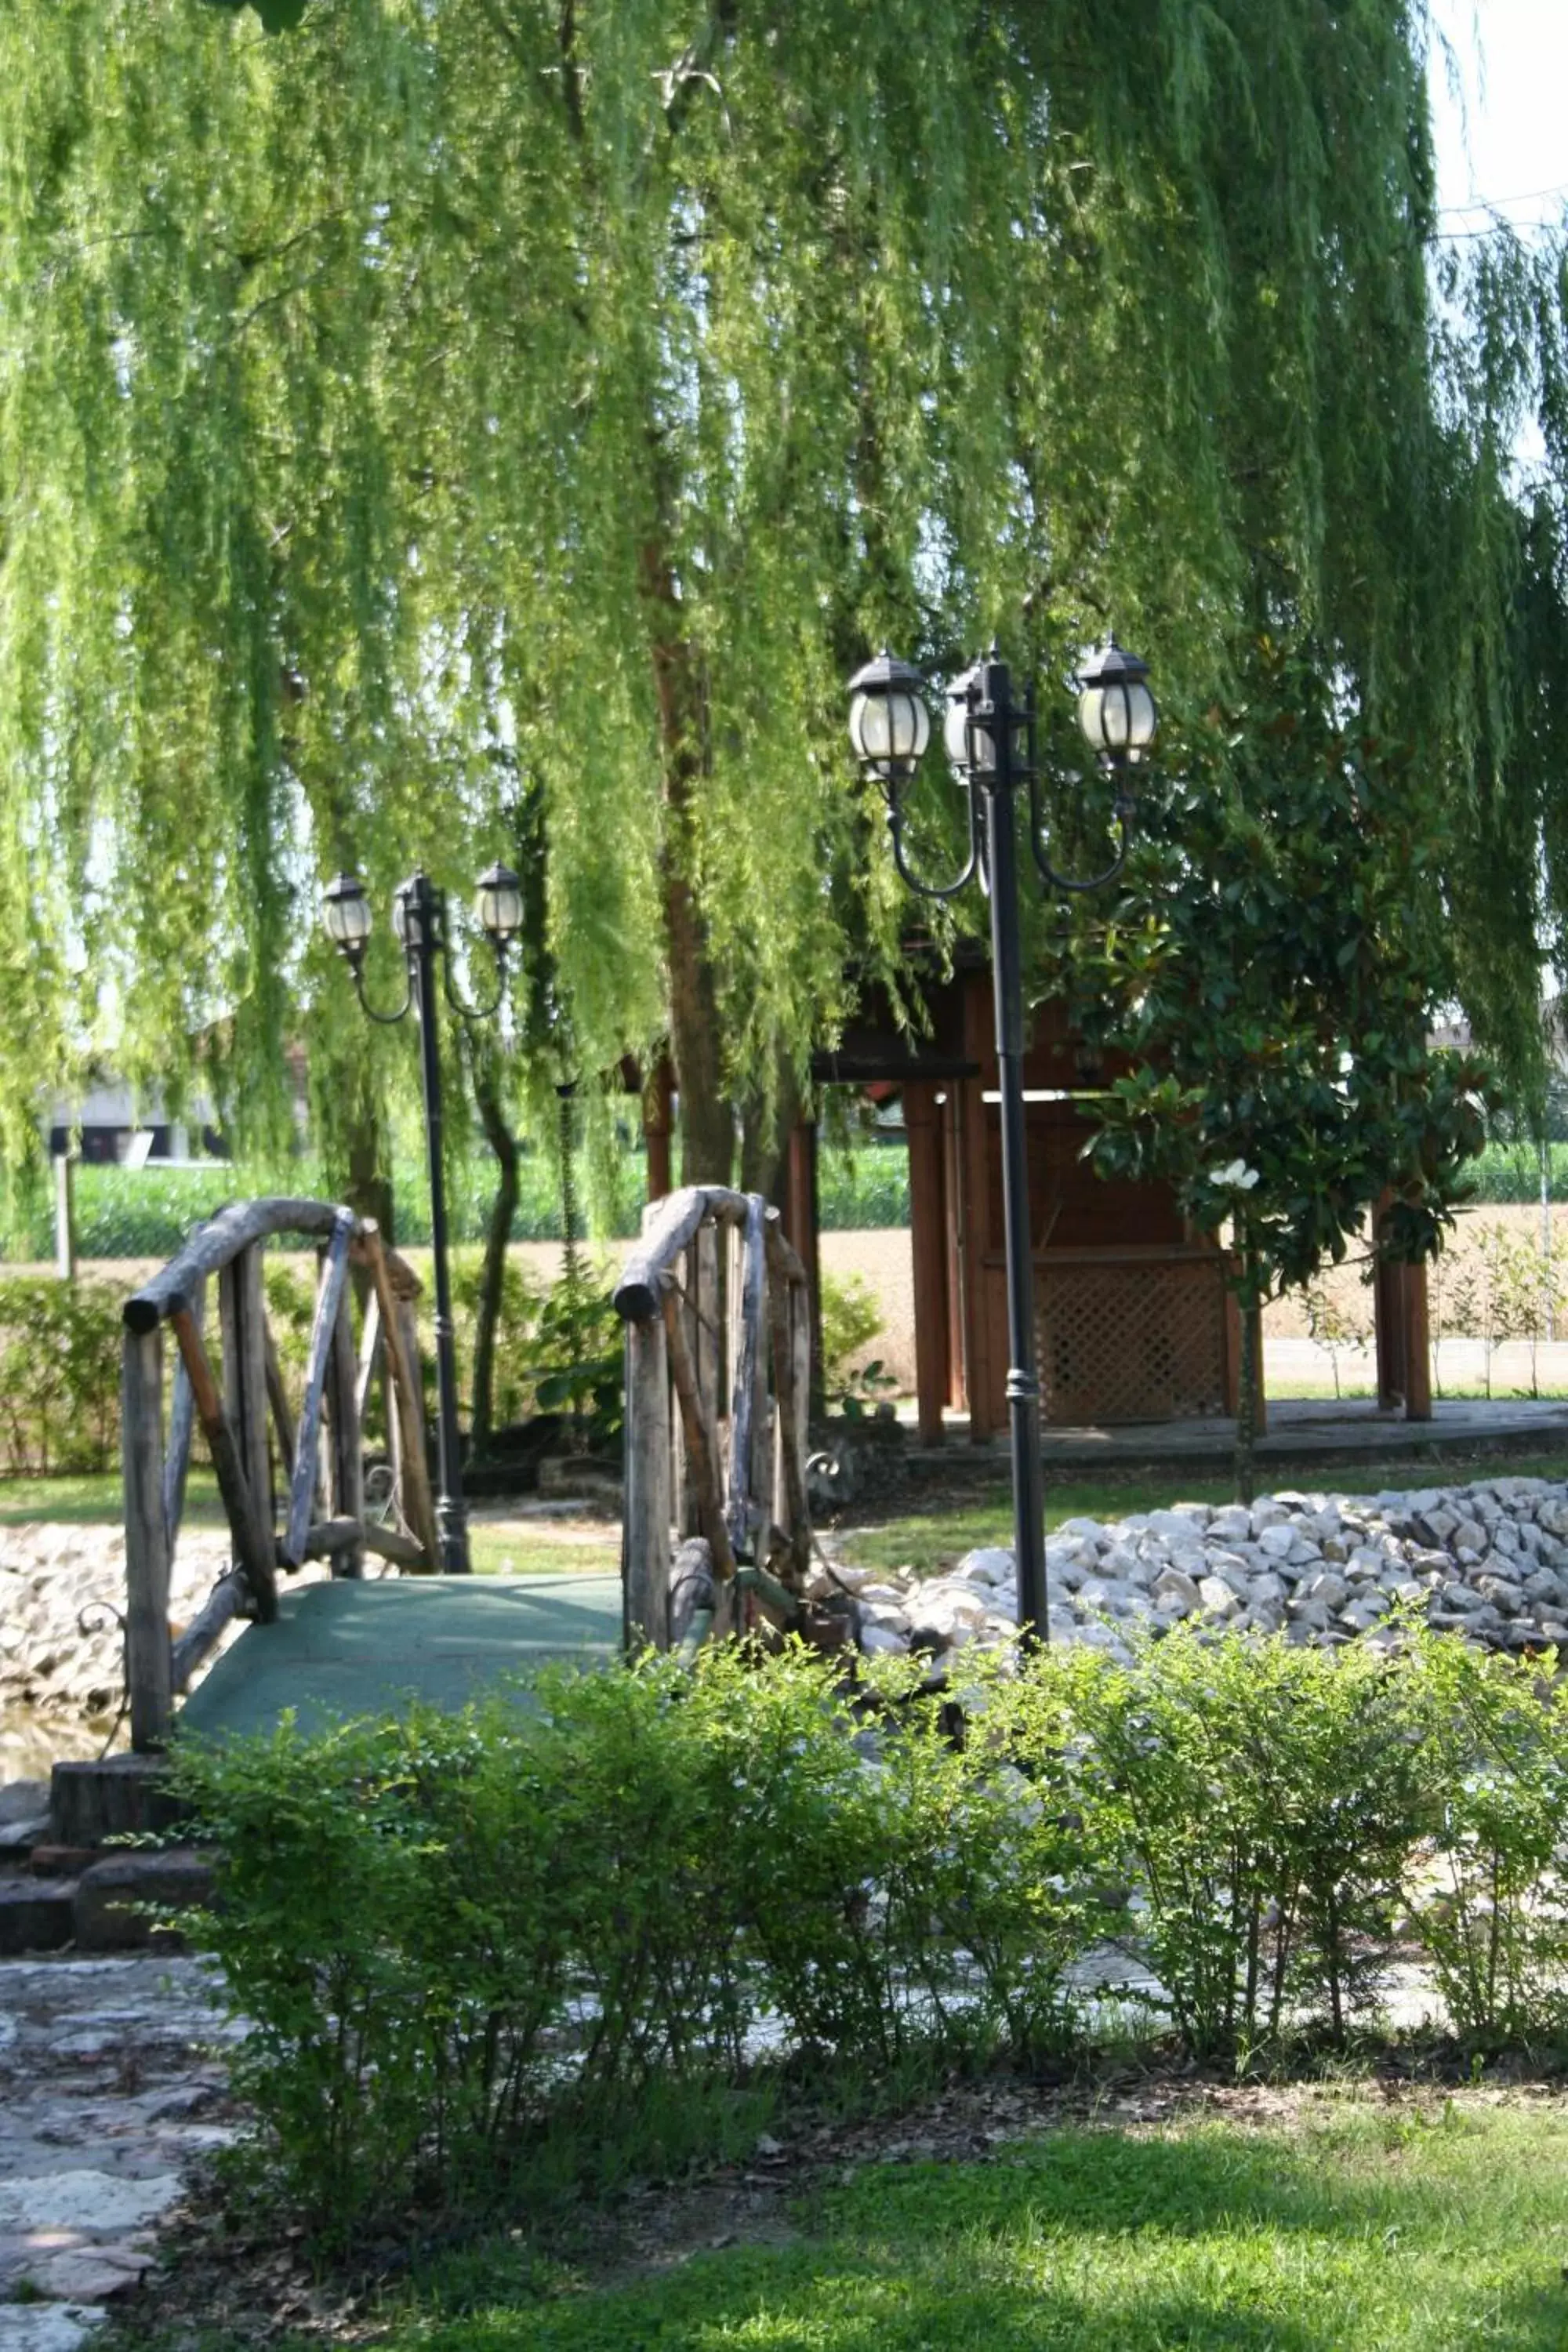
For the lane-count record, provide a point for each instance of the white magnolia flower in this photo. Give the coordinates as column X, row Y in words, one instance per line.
column 1236, row 1176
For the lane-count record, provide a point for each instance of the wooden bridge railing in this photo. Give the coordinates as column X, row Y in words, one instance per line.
column 249, row 1428
column 718, row 1390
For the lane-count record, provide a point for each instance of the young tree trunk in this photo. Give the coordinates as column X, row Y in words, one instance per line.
column 1246, row 1415
column 498, row 1234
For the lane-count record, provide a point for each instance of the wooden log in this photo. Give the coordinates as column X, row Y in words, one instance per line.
column 212, row 1245
column 692, row 1586
column 348, row 1454
column 780, row 1603
column 670, row 1228
column 698, row 1628
column 707, row 1341
column 742, row 1407
column 181, row 1422
column 277, row 1398
column 788, row 1320
column 148, row 1671
column 323, row 1330
column 646, row 1539
column 701, row 1440
column 369, row 1356
column 329, row 1536
column 223, row 1604
column 243, row 1316
column 254, row 1559
column 683, row 1504
column 400, row 1340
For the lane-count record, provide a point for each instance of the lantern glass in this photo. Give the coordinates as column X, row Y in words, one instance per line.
column 345, row 911
column 868, row 727
column 1115, row 709
column 890, row 725
column 498, row 903
column 1142, row 719
column 404, row 919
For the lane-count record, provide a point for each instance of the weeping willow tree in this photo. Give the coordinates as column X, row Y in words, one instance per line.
column 399, row 398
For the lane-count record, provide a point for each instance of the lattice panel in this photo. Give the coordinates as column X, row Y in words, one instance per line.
column 1139, row 1340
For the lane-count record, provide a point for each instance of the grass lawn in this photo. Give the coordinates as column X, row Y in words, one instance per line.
column 935, row 1538
column 92, row 1496
column 1350, row 2225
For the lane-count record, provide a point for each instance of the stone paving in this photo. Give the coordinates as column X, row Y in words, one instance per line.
column 111, row 2086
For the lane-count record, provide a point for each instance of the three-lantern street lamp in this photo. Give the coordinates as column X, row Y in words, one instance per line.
column 989, row 741
column 419, row 919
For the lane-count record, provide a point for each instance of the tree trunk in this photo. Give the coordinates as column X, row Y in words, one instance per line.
column 1247, row 1414
column 696, row 1039
column 498, row 1234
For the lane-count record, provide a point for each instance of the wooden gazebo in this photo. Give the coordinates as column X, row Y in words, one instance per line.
column 1134, row 1322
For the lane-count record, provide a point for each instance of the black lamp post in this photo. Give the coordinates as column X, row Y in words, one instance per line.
column 419, row 919
column 990, row 740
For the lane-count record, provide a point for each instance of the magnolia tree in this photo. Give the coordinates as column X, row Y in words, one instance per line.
column 1276, row 1001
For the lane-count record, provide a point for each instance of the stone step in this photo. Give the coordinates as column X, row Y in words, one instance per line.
column 36, row 1915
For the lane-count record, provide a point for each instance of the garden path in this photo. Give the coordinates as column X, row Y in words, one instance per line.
column 112, row 2087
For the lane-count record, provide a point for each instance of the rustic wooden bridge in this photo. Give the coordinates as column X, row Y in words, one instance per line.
column 717, row 1533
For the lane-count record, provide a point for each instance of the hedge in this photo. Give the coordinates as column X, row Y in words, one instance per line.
column 455, row 1937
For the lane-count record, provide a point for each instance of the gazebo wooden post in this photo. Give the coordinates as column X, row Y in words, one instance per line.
column 928, row 1247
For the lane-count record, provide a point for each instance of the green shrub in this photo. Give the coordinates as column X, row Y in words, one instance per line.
column 59, row 1374
column 851, row 1319
column 454, row 1934
column 1266, row 1800
column 1493, row 1911
column 467, row 1943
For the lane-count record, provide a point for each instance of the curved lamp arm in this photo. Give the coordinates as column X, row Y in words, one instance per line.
column 943, row 891
column 474, row 1012
column 1047, row 872
column 387, row 1020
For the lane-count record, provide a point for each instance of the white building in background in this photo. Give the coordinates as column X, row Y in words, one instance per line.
column 106, row 1126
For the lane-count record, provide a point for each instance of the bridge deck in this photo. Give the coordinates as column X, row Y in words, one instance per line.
column 348, row 1648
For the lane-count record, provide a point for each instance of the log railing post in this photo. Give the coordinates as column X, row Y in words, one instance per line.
column 348, row 1457
column 242, row 1311
column 181, row 1423
column 647, row 1500
column 148, row 1670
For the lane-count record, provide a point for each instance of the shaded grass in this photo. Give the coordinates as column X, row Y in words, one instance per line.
column 1354, row 2228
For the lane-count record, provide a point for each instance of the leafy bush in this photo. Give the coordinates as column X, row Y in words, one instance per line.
column 465, row 1940
column 851, row 1319
column 453, row 1934
column 59, row 1374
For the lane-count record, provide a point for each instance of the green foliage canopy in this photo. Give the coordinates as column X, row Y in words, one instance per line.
column 452, row 400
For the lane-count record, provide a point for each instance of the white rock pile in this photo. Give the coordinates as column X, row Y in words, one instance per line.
column 62, row 1594
column 1487, row 1560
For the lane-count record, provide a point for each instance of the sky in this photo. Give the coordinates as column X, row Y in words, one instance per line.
column 1503, row 138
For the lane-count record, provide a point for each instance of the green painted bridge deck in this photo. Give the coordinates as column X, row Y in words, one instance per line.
column 351, row 1648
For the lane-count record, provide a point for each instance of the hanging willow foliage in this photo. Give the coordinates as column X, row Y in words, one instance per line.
column 434, row 393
